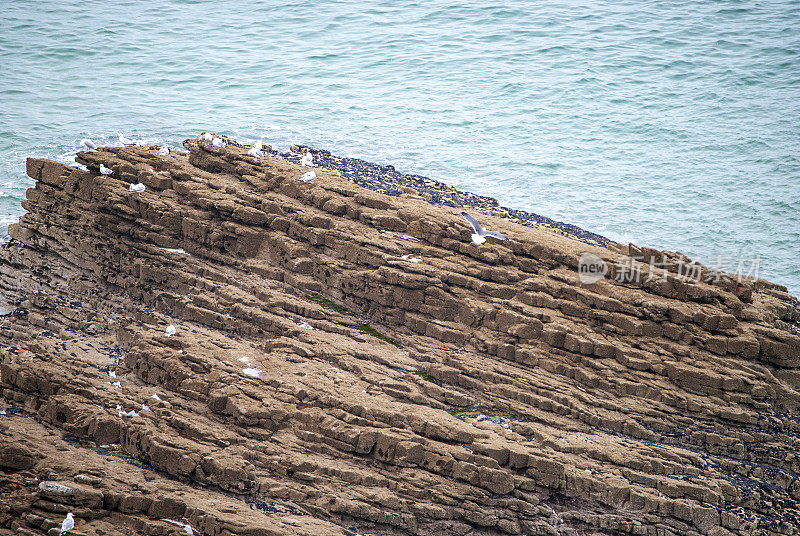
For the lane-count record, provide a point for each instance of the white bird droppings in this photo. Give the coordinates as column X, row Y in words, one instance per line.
column 252, row 372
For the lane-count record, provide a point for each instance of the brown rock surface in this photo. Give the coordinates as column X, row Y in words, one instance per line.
column 321, row 383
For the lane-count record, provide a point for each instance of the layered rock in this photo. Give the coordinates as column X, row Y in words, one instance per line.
column 347, row 362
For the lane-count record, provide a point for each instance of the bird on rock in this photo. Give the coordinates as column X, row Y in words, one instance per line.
column 206, row 137
column 307, row 160
column 136, row 188
column 170, row 331
column 480, row 234
column 307, row 177
column 164, row 151
column 258, row 153
column 68, row 524
column 123, row 140
column 106, row 171
column 219, row 142
column 88, row 144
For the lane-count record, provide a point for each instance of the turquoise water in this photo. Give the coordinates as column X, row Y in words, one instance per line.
column 671, row 124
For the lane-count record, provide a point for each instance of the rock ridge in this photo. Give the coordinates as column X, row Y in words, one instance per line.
column 348, row 362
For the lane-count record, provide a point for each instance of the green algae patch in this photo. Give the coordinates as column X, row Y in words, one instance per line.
column 424, row 375
column 366, row 328
column 328, row 304
column 108, row 450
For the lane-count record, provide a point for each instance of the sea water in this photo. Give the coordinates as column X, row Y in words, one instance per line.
column 669, row 124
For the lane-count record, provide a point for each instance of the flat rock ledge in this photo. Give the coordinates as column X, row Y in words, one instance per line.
column 346, row 362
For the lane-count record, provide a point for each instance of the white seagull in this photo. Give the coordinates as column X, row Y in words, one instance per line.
column 479, row 233
column 206, row 137
column 105, row 171
column 186, row 526
column 258, row 153
column 164, row 151
column 170, row 331
column 258, row 145
column 89, row 144
column 136, row 188
column 68, row 524
column 307, row 160
column 219, row 142
column 124, row 141
column 308, row 176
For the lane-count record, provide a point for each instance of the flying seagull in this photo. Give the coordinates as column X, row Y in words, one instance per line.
column 124, row 141
column 89, row 144
column 307, row 160
column 164, row 151
column 479, row 233
column 308, row 176
column 68, row 524
column 105, row 171
column 186, row 526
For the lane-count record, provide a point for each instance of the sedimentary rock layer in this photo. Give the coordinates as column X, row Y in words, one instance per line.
column 347, row 362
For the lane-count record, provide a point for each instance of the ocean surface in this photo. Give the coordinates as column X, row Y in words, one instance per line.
column 669, row 124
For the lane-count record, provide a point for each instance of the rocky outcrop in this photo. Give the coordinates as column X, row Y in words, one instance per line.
column 347, row 362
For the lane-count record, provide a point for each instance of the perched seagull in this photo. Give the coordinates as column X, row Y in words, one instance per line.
column 89, row 144
column 136, row 188
column 68, row 524
column 219, row 142
column 258, row 145
column 479, row 235
column 164, row 151
column 308, row 176
column 124, row 141
column 307, row 160
column 105, row 171
column 170, row 331
column 258, row 153
column 206, row 137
